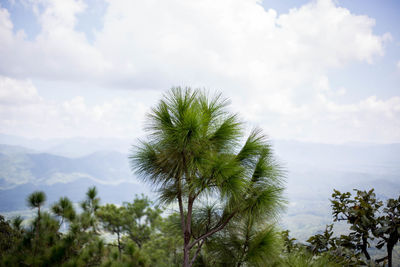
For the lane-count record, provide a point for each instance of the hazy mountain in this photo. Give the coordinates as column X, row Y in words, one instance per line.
column 10, row 150
column 19, row 166
column 23, row 171
column 313, row 171
column 15, row 198
column 69, row 147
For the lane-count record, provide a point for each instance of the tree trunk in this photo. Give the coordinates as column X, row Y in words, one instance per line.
column 364, row 248
column 187, row 234
column 119, row 245
column 186, row 242
column 186, row 254
column 389, row 252
column 36, row 237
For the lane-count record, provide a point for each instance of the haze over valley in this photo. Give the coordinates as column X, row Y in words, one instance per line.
column 67, row 167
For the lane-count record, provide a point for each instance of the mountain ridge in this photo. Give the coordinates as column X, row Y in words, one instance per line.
column 313, row 171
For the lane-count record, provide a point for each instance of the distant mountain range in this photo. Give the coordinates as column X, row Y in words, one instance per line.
column 15, row 198
column 70, row 147
column 20, row 165
column 68, row 167
column 24, row 170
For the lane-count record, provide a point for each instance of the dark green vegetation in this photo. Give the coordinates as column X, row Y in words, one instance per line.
column 137, row 234
column 42, row 243
column 368, row 221
column 373, row 225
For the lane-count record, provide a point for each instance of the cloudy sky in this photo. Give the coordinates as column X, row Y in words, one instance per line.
column 323, row 71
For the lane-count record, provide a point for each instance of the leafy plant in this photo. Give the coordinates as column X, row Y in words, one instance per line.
column 194, row 151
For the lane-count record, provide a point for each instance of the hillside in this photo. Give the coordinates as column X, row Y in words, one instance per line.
column 19, row 166
column 23, row 171
column 313, row 171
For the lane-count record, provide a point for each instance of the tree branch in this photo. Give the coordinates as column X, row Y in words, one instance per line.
column 381, row 259
column 219, row 227
column 197, row 252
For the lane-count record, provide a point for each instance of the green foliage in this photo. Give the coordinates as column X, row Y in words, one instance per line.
column 194, row 152
column 36, row 199
column 367, row 221
column 360, row 213
column 92, row 202
column 288, row 242
column 340, row 250
column 388, row 229
column 140, row 219
column 164, row 247
column 90, row 206
column 244, row 242
column 9, row 234
column 64, row 209
column 303, row 258
column 42, row 243
column 113, row 219
column 322, row 242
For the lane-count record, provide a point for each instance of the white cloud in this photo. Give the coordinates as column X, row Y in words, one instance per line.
column 58, row 52
column 24, row 112
column 13, row 92
column 273, row 67
column 323, row 120
column 370, row 119
column 213, row 43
